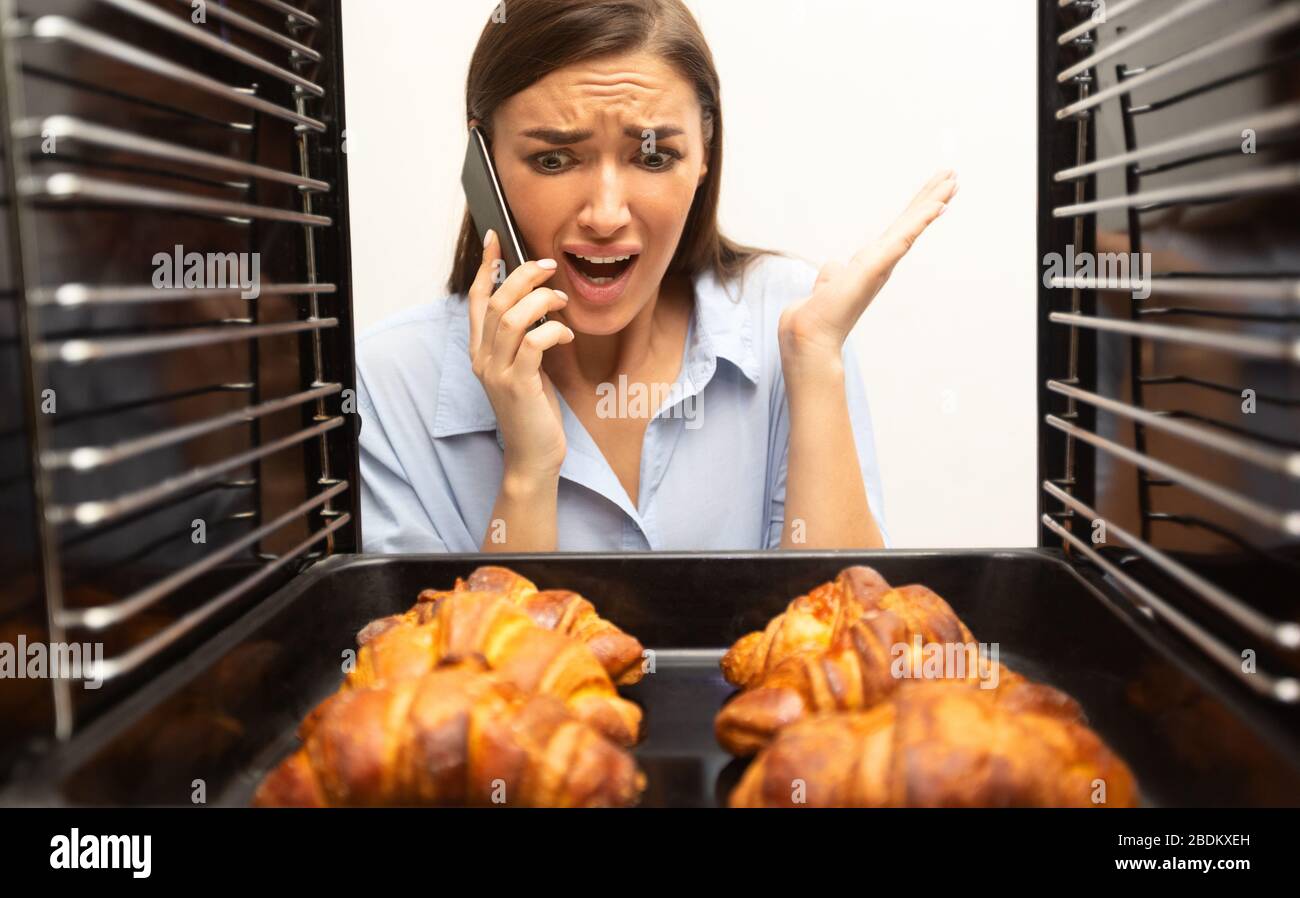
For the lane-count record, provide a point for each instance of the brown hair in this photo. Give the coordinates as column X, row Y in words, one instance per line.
column 541, row 36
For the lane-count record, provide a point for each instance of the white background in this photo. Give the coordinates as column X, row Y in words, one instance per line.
column 836, row 112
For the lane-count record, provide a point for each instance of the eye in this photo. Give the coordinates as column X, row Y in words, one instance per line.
column 661, row 160
column 549, row 163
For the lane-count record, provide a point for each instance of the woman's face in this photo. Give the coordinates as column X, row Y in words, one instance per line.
column 601, row 160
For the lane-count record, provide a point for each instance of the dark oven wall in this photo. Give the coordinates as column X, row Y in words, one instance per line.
column 177, row 259
column 1170, row 400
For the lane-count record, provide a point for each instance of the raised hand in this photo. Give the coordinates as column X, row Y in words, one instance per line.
column 814, row 329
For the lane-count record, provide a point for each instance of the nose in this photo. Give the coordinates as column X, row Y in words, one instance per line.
column 606, row 211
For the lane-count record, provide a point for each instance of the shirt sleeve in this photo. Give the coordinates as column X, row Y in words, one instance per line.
column 863, row 438
column 778, row 455
column 392, row 518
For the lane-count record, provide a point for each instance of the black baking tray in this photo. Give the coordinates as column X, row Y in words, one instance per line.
column 210, row 727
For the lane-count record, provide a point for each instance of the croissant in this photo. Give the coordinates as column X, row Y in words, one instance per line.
column 553, row 609
column 535, row 660
column 869, row 660
column 936, row 744
column 460, row 735
column 810, row 622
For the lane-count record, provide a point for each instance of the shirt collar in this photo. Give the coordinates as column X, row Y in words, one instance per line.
column 721, row 328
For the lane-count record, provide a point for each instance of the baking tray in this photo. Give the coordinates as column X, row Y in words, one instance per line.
column 212, row 725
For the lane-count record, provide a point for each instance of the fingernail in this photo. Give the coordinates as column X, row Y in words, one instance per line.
column 487, row 238
column 546, row 263
column 564, row 296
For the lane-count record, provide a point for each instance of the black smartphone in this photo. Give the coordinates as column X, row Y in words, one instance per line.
column 487, row 202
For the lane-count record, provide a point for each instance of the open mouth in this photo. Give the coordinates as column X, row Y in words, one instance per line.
column 600, row 270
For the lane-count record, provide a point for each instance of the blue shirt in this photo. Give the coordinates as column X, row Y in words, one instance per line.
column 713, row 462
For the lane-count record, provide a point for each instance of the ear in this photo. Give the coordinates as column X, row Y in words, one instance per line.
column 708, row 142
column 472, row 123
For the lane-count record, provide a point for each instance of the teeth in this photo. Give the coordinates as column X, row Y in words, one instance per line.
column 603, row 261
column 600, row 280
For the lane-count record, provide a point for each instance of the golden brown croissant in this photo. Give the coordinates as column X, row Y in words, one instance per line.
column 870, row 659
column 535, row 660
column 460, row 735
column 936, row 744
column 560, row 610
column 810, row 622
column 566, row 612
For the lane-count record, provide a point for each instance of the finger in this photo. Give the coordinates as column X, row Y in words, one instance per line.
column 537, row 341
column 940, row 187
column 945, row 190
column 943, row 174
column 902, row 235
column 481, row 289
column 936, row 179
column 522, row 281
column 872, row 266
column 875, row 263
column 515, row 322
column 923, row 204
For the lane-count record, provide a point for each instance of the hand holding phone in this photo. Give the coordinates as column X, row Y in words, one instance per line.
column 509, row 335
column 506, row 357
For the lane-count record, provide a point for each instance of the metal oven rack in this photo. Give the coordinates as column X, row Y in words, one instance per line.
column 1162, row 593
column 182, row 437
column 1170, row 392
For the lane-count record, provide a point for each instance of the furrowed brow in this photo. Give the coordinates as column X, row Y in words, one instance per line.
column 556, row 137
column 661, row 132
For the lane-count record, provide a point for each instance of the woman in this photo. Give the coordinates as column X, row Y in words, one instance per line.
column 685, row 392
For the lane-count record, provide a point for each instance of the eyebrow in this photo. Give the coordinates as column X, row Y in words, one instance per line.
column 557, row 137
column 661, row 132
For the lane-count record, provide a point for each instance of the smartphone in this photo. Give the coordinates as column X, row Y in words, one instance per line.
column 487, row 202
